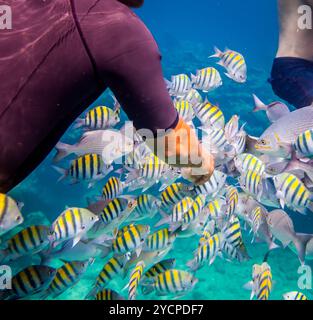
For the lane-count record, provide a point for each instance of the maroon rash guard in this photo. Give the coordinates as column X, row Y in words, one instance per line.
column 58, row 58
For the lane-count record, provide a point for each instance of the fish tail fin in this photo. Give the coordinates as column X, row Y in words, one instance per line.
column 63, row 150
column 117, row 106
column 63, row 172
column 168, row 83
column 131, row 176
column 193, row 78
column 300, row 243
column 273, row 246
column 258, row 104
column 164, row 220
column 217, row 53
column 91, row 293
column 79, row 123
column 192, row 264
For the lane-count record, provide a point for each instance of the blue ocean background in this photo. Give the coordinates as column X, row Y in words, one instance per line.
column 187, row 32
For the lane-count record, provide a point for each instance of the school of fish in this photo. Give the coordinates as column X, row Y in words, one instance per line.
column 133, row 230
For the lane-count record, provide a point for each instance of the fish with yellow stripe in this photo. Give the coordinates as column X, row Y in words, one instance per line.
column 108, row 295
column 147, row 207
column 130, row 238
column 291, row 191
column 246, row 161
column 113, row 188
column 251, row 182
column 234, row 63
column 134, row 280
column 159, row 268
column 295, row 296
column 304, row 144
column 89, row 167
column 66, row 277
column 194, row 212
column 193, row 96
column 262, row 282
column 10, row 214
column 152, row 171
column 31, row 280
column 116, row 209
column 207, row 252
column 72, row 223
column 173, row 194
column 30, row 240
column 232, row 232
column 207, row 79
column 172, row 282
column 179, row 85
column 113, row 268
column 159, row 240
column 210, row 115
column 177, row 215
column 215, row 209
column 232, row 199
column 184, row 109
column 100, row 117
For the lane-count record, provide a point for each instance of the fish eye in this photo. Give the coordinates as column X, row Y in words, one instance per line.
column 263, row 142
column 18, row 218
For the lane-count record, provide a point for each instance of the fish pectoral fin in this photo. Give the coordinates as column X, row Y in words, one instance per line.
column 77, row 239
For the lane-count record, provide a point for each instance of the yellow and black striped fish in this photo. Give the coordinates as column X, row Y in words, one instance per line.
column 173, row 194
column 115, row 208
column 181, row 208
column 234, row 63
column 304, row 144
column 113, row 188
column 71, row 223
column 251, row 183
column 30, row 280
column 263, row 281
column 195, row 210
column 108, row 295
column 113, row 268
column 147, row 206
column 232, row 232
column 28, row 241
column 160, row 267
column 130, row 238
column 184, row 109
column 67, row 276
column 215, row 208
column 210, row 115
column 294, row 295
column 159, row 240
column 179, row 85
column 206, row 79
column 135, row 278
column 171, row 282
column 10, row 215
column 87, row 167
column 100, row 117
column 207, row 252
column 232, row 198
column 293, row 192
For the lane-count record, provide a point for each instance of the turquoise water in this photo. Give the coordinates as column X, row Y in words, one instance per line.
column 187, row 34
